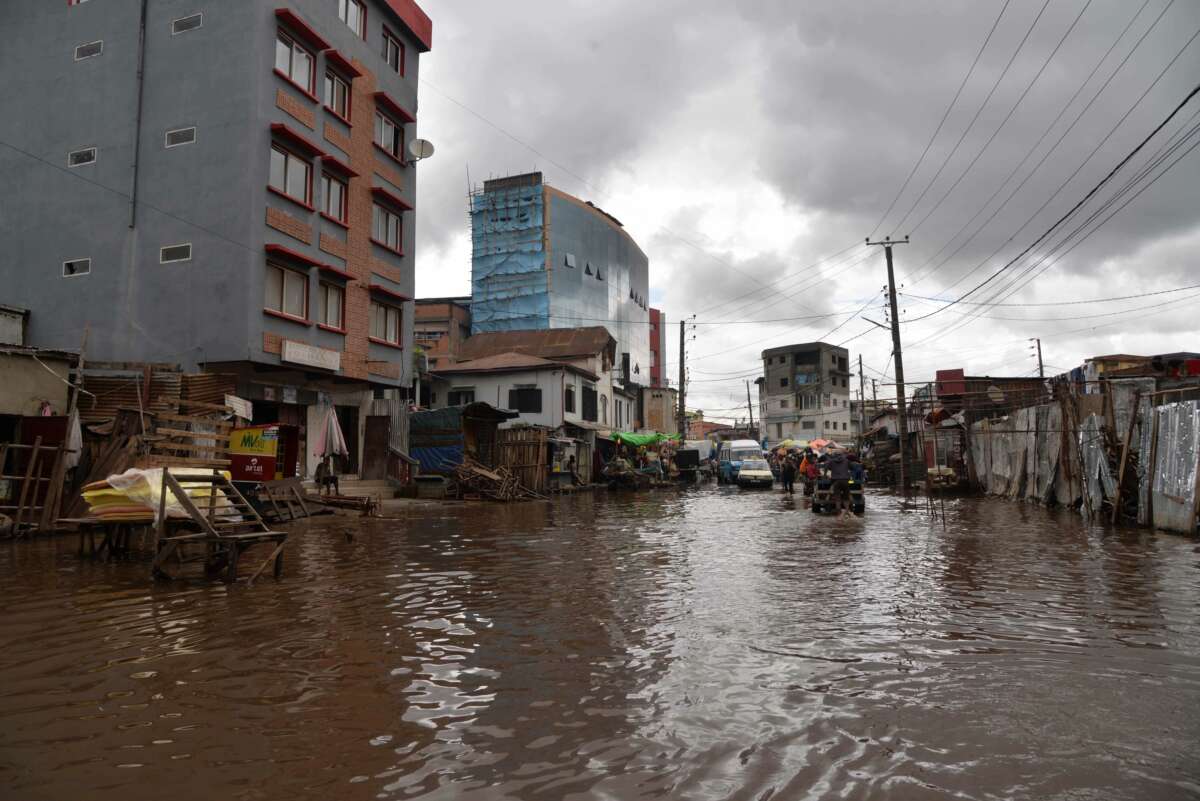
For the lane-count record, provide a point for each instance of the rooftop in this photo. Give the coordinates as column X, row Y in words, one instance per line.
column 803, row 347
column 552, row 343
column 512, row 362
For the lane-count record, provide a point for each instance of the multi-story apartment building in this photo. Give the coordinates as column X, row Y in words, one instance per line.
column 440, row 327
column 221, row 184
column 805, row 392
column 658, row 350
column 544, row 259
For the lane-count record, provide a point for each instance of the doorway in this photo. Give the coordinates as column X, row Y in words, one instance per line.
column 347, row 417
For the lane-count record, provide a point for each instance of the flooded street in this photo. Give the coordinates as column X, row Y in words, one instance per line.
column 712, row 644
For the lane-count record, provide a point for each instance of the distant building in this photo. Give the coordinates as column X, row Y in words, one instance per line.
column 981, row 397
column 659, row 377
column 440, row 326
column 805, row 392
column 1099, row 367
column 543, row 259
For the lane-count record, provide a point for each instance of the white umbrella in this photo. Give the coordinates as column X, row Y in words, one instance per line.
column 331, row 440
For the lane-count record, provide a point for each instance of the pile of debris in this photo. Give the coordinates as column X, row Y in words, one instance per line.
column 475, row 482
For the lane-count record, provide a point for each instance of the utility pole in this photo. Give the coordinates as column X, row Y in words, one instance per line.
column 749, row 407
column 683, row 430
column 901, row 410
column 862, row 400
column 1041, row 370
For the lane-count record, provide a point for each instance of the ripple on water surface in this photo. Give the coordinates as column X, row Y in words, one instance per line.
column 704, row 645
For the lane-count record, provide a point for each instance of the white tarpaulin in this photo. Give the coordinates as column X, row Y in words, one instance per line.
column 1173, row 494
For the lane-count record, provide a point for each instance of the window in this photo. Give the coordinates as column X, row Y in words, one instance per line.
column 337, row 95
column 569, row 400
column 843, row 426
column 389, row 135
column 589, row 404
column 287, row 292
column 783, row 403
column 569, row 260
column 180, row 136
column 330, row 301
column 294, row 61
column 76, row 267
column 185, row 24
column 78, row 158
column 354, row 14
column 385, row 227
column 291, row 174
column 172, row 253
column 393, row 52
column 333, row 197
column 525, row 399
column 88, row 50
column 385, row 323
column 808, row 424
column 783, row 381
column 460, row 397
column 779, row 431
column 603, row 410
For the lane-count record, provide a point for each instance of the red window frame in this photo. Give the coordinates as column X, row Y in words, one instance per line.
column 398, row 248
column 377, row 134
column 342, row 217
column 322, row 286
column 311, row 89
column 308, row 190
column 333, row 75
column 362, row 17
column 398, row 342
column 281, row 312
column 401, row 51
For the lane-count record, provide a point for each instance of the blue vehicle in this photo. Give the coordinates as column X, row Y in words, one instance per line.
column 731, row 456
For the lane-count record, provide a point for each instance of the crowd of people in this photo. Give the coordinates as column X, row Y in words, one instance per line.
column 808, row 465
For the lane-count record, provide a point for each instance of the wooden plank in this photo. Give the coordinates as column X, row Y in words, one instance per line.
column 1133, row 416
column 212, row 407
column 158, row 460
column 189, row 446
column 179, row 432
column 33, row 460
column 186, row 502
column 220, row 425
column 58, row 474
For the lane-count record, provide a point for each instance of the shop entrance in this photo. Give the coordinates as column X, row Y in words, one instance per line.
column 348, row 419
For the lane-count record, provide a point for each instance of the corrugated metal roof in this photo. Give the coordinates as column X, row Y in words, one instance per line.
column 552, row 343
column 511, row 361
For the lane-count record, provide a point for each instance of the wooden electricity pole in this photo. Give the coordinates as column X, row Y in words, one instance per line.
column 862, row 400
column 1041, row 370
column 683, row 430
column 901, row 410
column 750, row 409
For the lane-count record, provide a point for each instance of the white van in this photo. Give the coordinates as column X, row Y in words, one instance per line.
column 731, row 456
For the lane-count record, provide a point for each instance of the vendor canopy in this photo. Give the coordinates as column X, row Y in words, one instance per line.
column 642, row 440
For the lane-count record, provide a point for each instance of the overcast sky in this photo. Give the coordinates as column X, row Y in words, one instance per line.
column 750, row 147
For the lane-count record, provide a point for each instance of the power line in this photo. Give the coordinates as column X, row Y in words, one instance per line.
column 978, row 111
column 945, row 116
column 1059, row 302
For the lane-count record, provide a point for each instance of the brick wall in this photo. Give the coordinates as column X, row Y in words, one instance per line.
column 292, row 226
column 301, row 112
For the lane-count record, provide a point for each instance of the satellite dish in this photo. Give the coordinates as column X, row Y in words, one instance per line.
column 420, row 149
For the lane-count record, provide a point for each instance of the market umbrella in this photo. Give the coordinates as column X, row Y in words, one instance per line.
column 330, row 441
column 817, row 444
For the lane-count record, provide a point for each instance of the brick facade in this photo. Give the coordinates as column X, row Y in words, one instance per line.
column 390, row 175
column 272, row 343
column 300, row 112
column 333, row 246
column 286, row 223
column 385, row 369
column 334, row 136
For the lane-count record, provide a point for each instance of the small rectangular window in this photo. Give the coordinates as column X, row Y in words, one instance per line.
column 76, row 267
column 286, row 292
column 295, row 62
column 389, row 135
column 337, row 95
column 354, row 14
column 173, row 253
column 333, row 196
column 180, row 136
column 78, row 158
column 525, row 399
column 185, row 24
column 385, row 323
column 385, row 228
column 329, row 310
column 291, row 175
column 89, row 50
column 393, row 52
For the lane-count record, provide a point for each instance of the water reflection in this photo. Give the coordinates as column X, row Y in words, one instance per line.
column 707, row 644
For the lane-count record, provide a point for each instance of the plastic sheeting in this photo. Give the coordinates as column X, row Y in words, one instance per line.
column 1173, row 495
column 1098, row 480
column 144, row 488
column 509, row 285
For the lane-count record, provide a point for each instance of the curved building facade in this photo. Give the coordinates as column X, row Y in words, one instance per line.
column 542, row 258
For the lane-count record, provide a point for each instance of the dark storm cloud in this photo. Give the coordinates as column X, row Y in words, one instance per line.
column 693, row 120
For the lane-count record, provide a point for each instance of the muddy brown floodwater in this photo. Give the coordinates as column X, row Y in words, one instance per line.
column 712, row 644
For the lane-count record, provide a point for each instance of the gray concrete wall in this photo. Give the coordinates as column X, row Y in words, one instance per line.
column 211, row 193
column 578, row 299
